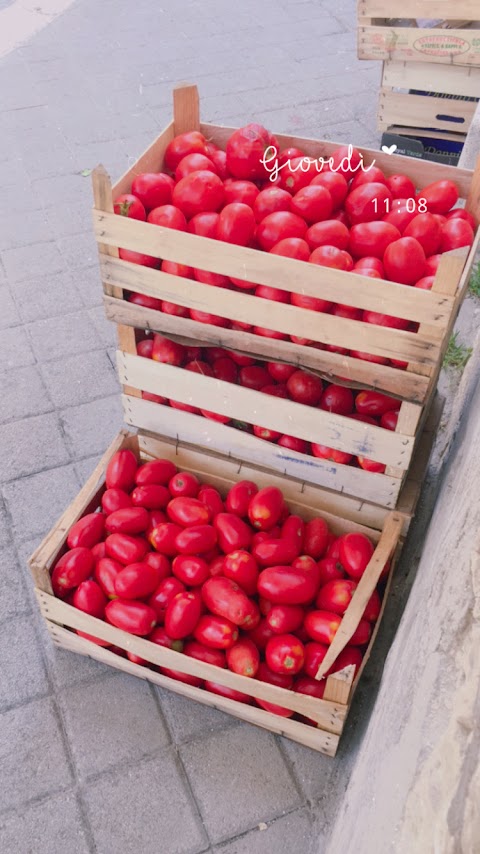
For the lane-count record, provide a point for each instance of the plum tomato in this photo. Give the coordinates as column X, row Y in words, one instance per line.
column 278, row 226
column 245, row 152
column 455, row 234
column 330, row 256
column 184, row 483
column 198, row 192
column 440, row 196
column 356, row 551
column 370, row 239
column 240, row 566
column 192, row 142
column 316, row 538
column 224, row 598
column 133, row 617
column 336, row 595
column 338, row 399
column 168, row 216
column 239, row 497
column 367, row 203
column 270, row 200
column 285, row 654
column 243, row 658
column 129, row 205
column 121, row 470
column 330, row 232
column 182, row 614
column 87, row 532
column 313, row 203
column 215, row 632
column 236, row 224
column 266, row 508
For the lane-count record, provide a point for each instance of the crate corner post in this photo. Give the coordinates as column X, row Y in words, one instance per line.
column 186, row 108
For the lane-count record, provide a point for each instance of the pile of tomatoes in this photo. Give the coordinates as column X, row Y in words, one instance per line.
column 332, row 214
column 236, row 581
column 279, row 380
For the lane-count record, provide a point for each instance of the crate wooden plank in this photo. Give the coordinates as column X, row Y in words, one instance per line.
column 428, row 134
column 150, row 161
column 347, row 434
column 328, row 365
column 186, row 109
column 430, row 9
column 194, row 429
column 314, row 738
column 422, row 111
column 379, row 38
column 432, row 77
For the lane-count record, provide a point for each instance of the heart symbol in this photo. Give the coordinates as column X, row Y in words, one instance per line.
column 389, row 149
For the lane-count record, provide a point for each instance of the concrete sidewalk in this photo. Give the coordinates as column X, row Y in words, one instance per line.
column 91, row 760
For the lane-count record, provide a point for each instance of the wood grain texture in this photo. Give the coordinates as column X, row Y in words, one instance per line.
column 186, row 109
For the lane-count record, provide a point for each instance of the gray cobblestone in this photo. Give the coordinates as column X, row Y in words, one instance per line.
column 286, row 835
column 52, row 827
column 56, row 337
column 9, row 315
column 84, row 468
column 15, row 349
column 23, row 393
column 79, row 251
column 13, row 596
column 37, row 259
column 22, row 229
column 48, row 296
column 105, row 328
column 89, row 286
column 44, row 439
column 188, row 719
column 90, row 428
column 160, row 813
column 5, row 537
column 256, row 757
column 18, row 641
column 36, row 502
column 79, row 380
column 32, row 756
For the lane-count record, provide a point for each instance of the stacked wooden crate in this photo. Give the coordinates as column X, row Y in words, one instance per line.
column 349, row 498
column 431, row 73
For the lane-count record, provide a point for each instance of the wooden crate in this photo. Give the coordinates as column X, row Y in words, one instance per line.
column 379, row 36
column 400, row 110
column 434, row 310
column 330, row 713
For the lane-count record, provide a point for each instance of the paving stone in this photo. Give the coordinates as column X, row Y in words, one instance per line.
column 37, row 259
column 32, row 755
column 14, row 599
column 91, row 427
column 23, row 393
column 52, row 827
column 54, row 337
column 112, row 721
column 312, row 770
column 23, row 229
column 18, row 643
column 105, row 328
column 160, row 814
column 84, row 468
column 189, row 720
column 79, row 379
column 70, row 668
column 20, row 198
column 9, row 315
column 79, row 251
column 47, row 296
column 287, row 835
column 5, row 535
column 36, row 502
column 251, row 775
column 15, row 349
column 89, row 284
column 64, row 190
column 68, row 219
column 12, row 173
column 31, row 445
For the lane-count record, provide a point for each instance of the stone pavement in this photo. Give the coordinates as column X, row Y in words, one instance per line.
column 92, row 760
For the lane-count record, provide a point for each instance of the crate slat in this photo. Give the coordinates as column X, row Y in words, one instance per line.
column 430, row 9
column 421, row 111
column 432, row 77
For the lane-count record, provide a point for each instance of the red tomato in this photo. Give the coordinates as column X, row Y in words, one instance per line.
column 197, row 539
column 323, row 452
column 126, row 549
column 330, row 256
column 163, row 595
column 401, row 187
column 297, row 173
column 284, row 585
column 161, row 638
column 90, row 598
column 191, row 570
column 195, row 681
column 204, row 224
column 370, row 262
column 182, row 614
column 279, row 371
column 168, row 216
column 356, row 551
column 197, row 366
column 138, row 258
column 305, row 388
column 145, row 348
column 373, row 176
column 260, row 634
column 335, row 184
column 285, row 618
column 401, row 212
column 130, row 520
column 236, row 224
column 87, row 532
column 374, row 606
column 425, row 228
column 349, row 655
column 282, row 681
column 316, row 538
column 275, row 294
column 313, row 203
column 336, row 595
column 186, row 511
column 155, row 472
column 331, row 232
column 240, row 566
column 121, row 470
column 368, row 202
column 129, row 205
column 300, row 446
column 461, row 213
column 372, row 238
column 311, row 687
column 160, row 562
column 216, row 632
column 212, row 499
column 371, row 465
column 152, row 496
column 375, row 403
column 115, row 499
column 106, row 570
column 292, row 247
column 404, row 261
column 271, row 200
column 184, row 483
column 285, row 654
column 314, row 655
column 157, row 517
column 232, row 532
column 224, row 598
column 275, row 552
column 133, row 617
column 289, row 154
column 246, row 150
column 240, row 191
column 163, row 538
column 99, row 551
column 216, row 565
column 183, row 144
column 204, row 653
column 254, row 377
column 455, row 234
column 229, row 693
column 338, row 399
column 136, row 581
column 243, row 658
column 198, row 192
column 219, row 159
column 205, row 317
column 265, row 508
column 225, row 369
column 153, row 189
column 389, row 420
column 440, row 196
column 322, row 626
column 194, row 162
column 278, row 226
column 239, row 496
column 168, row 352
